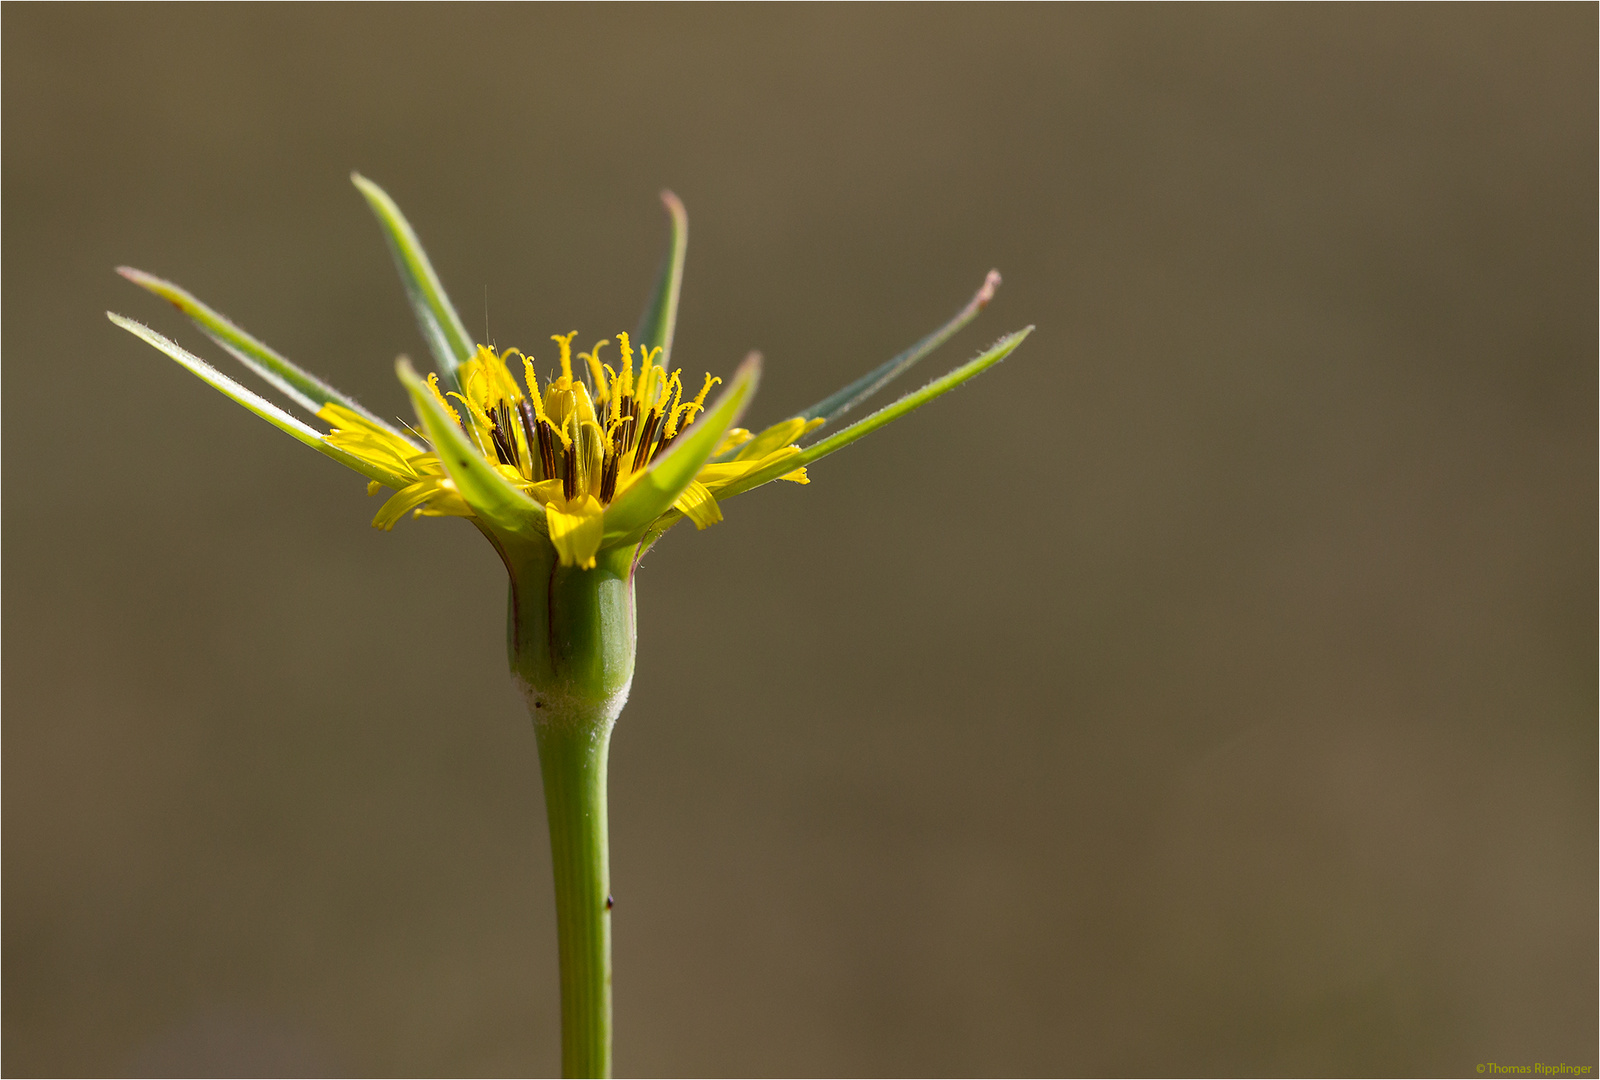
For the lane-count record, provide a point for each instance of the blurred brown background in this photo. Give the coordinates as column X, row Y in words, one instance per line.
column 1211, row 688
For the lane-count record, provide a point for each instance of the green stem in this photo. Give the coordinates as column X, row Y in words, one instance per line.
column 570, row 636
column 574, row 768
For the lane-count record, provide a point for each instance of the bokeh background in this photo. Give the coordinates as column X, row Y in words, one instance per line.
column 1211, row 688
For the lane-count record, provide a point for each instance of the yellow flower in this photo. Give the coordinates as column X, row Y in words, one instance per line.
column 573, row 443
column 571, row 476
column 604, row 452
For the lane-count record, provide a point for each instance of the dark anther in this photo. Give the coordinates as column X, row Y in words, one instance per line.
column 505, row 444
column 646, row 437
column 539, row 439
column 608, row 479
column 610, row 903
column 547, row 450
column 666, row 443
column 526, row 415
column 569, row 480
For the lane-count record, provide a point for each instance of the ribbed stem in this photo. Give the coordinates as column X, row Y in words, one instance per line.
column 573, row 762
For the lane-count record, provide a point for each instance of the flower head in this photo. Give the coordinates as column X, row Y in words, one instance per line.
column 572, row 471
column 597, row 451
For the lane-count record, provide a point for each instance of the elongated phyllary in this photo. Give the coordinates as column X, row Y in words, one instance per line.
column 572, row 472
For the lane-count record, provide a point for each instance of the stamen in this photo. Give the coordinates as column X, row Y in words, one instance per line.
column 593, row 429
column 626, row 364
column 597, row 375
column 505, row 445
column 611, row 389
column 650, row 376
column 472, row 407
column 538, row 443
column 626, row 345
column 565, row 341
column 481, row 424
column 698, row 405
column 700, row 398
column 624, row 412
column 642, row 455
column 547, row 450
column 675, row 388
column 625, row 429
column 560, row 405
column 433, row 384
column 608, row 479
column 503, row 379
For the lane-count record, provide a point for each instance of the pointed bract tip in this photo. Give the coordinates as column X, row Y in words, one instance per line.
column 160, row 286
column 145, row 280
column 366, row 187
column 674, row 206
column 990, row 282
column 403, row 368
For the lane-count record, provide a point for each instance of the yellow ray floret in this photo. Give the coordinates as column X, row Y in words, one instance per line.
column 576, row 527
column 698, row 505
column 572, row 443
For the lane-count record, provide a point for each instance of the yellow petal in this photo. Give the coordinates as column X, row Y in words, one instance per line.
column 733, row 437
column 779, row 434
column 407, row 498
column 546, row 491
column 374, row 451
column 698, row 505
column 372, row 443
column 720, row 475
column 448, row 503
column 575, row 530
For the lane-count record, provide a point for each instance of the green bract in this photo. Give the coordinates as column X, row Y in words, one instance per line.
column 571, row 478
